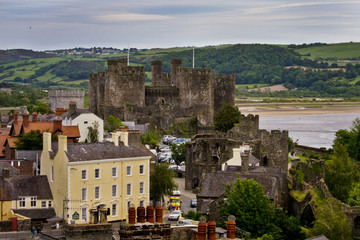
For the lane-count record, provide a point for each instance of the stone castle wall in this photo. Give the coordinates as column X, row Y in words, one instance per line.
column 121, row 91
column 62, row 98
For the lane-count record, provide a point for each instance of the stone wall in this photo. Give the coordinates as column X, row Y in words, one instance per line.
column 88, row 231
column 62, row 98
column 145, row 231
column 120, row 91
column 22, row 225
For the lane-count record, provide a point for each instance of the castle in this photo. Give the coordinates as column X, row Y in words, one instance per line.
column 62, row 98
column 180, row 95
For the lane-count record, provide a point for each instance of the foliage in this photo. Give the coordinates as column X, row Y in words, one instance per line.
column 193, row 215
column 254, row 212
column 152, row 138
column 30, row 141
column 226, row 118
column 40, row 108
column 178, row 153
column 112, row 123
column 162, row 182
column 291, row 144
column 341, row 172
column 354, row 195
column 93, row 133
column 20, row 96
column 350, row 139
column 331, row 221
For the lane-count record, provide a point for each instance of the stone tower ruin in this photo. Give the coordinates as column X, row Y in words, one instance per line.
column 62, row 98
column 182, row 93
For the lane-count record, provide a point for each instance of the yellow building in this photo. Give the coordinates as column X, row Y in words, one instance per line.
column 95, row 177
column 25, row 197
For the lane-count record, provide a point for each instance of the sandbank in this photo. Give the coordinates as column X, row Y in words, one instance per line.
column 273, row 110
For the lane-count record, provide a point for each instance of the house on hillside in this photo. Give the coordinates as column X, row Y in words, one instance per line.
column 83, row 119
column 25, row 197
column 93, row 181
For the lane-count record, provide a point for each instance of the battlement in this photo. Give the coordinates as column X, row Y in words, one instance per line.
column 275, row 135
column 161, row 91
column 66, row 93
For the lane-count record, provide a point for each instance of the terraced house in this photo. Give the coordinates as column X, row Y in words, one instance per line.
column 94, row 181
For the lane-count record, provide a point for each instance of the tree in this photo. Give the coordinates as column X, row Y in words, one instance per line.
column 93, row 133
column 291, row 144
column 350, row 139
column 178, row 153
column 246, row 201
column 152, row 138
column 341, row 172
column 112, row 123
column 255, row 213
column 30, row 141
column 162, row 182
column 226, row 118
column 354, row 195
column 331, row 221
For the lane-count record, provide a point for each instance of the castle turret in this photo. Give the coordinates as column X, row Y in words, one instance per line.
column 174, row 64
column 156, row 70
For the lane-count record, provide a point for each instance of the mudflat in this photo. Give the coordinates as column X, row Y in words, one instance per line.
column 298, row 109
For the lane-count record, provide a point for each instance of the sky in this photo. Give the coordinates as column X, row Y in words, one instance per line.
column 61, row 24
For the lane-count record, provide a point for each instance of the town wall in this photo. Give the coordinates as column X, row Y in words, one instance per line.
column 62, row 98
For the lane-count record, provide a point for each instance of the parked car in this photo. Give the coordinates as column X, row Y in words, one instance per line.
column 176, row 192
column 193, row 203
column 185, row 222
column 174, row 215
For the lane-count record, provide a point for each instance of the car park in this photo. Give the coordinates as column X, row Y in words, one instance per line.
column 174, row 215
column 193, row 203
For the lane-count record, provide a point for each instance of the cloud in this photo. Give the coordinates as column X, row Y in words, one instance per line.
column 131, row 17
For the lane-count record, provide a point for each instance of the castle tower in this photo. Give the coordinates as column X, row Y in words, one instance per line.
column 156, row 71
column 62, row 98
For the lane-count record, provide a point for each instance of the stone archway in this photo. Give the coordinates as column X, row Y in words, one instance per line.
column 265, row 161
column 307, row 217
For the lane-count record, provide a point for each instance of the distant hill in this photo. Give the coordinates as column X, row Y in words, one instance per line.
column 251, row 63
column 7, row 56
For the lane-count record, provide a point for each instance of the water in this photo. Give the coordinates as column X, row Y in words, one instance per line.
column 311, row 130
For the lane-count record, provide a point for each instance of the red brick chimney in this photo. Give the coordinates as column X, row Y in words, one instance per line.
column 57, row 124
column 26, row 119
column 34, row 115
column 60, row 111
column 15, row 118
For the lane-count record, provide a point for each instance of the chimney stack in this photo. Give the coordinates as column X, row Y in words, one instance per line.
column 46, row 141
column 72, row 108
column 57, row 124
column 34, row 116
column 15, row 118
column 124, row 136
column 26, row 119
column 62, row 143
column 115, row 138
column 6, row 173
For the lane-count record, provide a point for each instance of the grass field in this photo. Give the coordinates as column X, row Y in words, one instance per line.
column 338, row 51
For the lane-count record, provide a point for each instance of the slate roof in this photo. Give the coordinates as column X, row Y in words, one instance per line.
column 77, row 113
column 213, row 183
column 12, row 169
column 77, row 152
column 38, row 213
column 28, row 154
column 16, row 186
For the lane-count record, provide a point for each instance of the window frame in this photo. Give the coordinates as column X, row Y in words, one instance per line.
column 85, row 193
column 22, row 201
column 84, row 214
column 128, row 173
column 116, row 172
column 86, row 174
column 43, row 204
column 116, row 190
column 114, row 213
column 141, row 188
column 97, row 191
column 128, row 189
column 33, row 202
column 143, row 169
column 97, row 169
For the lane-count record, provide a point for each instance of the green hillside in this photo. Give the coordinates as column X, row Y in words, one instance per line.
column 252, row 64
column 333, row 51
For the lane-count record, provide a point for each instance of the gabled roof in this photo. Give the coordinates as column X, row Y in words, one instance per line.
column 70, row 131
column 11, row 141
column 15, row 128
column 2, row 143
column 22, row 186
column 38, row 213
column 42, row 126
column 77, row 113
column 4, row 131
column 77, row 152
